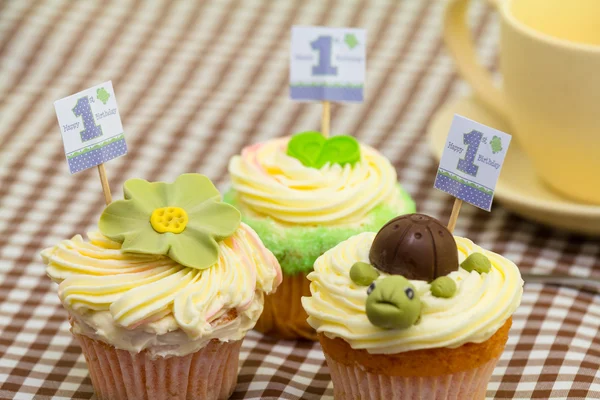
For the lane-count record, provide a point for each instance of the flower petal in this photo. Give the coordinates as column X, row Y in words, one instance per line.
column 121, row 217
column 148, row 195
column 218, row 219
column 191, row 190
column 194, row 249
column 147, row 241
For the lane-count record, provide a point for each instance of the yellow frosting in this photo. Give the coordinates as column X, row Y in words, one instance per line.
column 269, row 182
column 127, row 299
column 481, row 305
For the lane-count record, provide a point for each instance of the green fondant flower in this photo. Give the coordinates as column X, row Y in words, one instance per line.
column 183, row 220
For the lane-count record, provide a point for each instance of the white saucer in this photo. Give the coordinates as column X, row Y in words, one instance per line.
column 518, row 189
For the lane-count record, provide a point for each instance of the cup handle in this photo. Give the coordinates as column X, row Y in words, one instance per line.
column 460, row 44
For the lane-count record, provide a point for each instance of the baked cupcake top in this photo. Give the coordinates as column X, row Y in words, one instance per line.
column 310, row 180
column 385, row 313
column 171, row 269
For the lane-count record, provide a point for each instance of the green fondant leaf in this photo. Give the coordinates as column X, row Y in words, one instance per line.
column 314, row 151
column 340, row 150
column 305, row 147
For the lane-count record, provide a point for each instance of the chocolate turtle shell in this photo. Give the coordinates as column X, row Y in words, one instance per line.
column 415, row 246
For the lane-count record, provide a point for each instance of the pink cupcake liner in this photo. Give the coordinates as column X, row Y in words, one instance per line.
column 356, row 383
column 210, row 373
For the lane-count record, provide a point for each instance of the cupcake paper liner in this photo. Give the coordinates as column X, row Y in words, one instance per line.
column 283, row 316
column 353, row 382
column 460, row 373
column 210, row 373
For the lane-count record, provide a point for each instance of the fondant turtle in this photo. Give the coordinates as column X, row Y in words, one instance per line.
column 413, row 246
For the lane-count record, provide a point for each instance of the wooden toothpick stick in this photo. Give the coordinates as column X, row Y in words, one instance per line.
column 454, row 215
column 325, row 118
column 104, row 182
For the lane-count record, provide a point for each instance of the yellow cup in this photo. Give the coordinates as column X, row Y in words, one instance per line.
column 550, row 65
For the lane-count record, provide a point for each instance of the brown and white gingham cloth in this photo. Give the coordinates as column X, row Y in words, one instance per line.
column 197, row 81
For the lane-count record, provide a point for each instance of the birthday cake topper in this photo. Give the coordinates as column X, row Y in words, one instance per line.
column 471, row 164
column 91, row 129
column 327, row 64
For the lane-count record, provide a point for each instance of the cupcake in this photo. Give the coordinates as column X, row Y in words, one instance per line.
column 162, row 295
column 412, row 312
column 303, row 195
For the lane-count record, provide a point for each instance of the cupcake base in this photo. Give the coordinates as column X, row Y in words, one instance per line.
column 210, row 373
column 283, row 316
column 440, row 373
column 356, row 383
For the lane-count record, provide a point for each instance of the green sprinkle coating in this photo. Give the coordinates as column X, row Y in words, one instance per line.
column 363, row 274
column 477, row 262
column 443, row 286
column 297, row 247
column 393, row 303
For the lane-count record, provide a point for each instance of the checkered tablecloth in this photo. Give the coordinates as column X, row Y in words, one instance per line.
column 197, row 81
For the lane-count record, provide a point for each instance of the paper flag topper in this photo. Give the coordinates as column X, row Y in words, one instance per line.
column 91, row 127
column 471, row 162
column 327, row 63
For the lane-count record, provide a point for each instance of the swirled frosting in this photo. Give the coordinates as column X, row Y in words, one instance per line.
column 481, row 305
column 271, row 183
column 140, row 301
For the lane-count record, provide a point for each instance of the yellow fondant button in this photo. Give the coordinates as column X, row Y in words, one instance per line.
column 169, row 219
